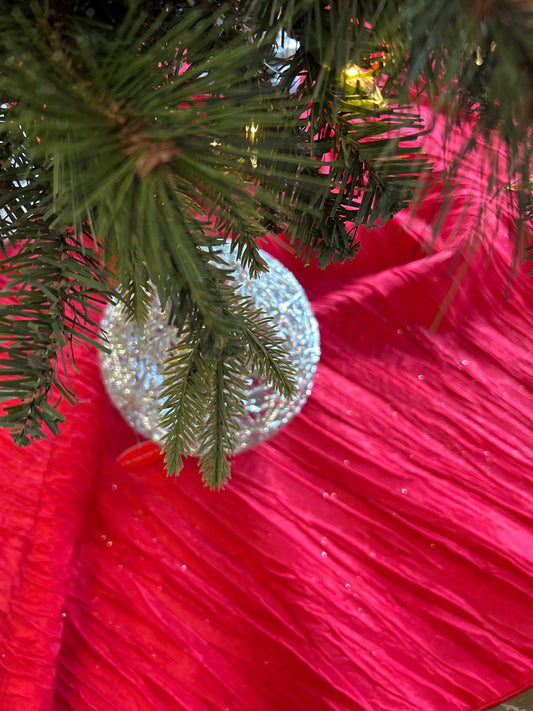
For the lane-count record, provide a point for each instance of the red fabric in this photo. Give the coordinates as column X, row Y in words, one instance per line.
column 377, row 555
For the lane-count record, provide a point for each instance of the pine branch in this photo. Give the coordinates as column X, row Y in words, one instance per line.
column 467, row 58
column 52, row 287
column 267, row 357
column 224, row 408
column 184, row 408
column 372, row 175
column 47, row 306
column 205, row 384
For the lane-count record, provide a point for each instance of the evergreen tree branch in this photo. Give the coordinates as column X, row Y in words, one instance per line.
column 47, row 306
column 267, row 357
column 226, row 404
column 184, row 407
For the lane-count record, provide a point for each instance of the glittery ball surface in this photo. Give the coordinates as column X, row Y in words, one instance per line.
column 133, row 370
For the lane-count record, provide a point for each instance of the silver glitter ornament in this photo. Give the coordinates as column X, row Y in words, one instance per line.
column 133, row 370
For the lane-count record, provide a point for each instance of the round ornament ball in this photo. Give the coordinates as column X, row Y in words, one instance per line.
column 133, row 369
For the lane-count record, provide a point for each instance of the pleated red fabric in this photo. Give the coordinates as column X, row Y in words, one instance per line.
column 376, row 555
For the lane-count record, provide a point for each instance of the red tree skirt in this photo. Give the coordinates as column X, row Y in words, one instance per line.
column 376, row 555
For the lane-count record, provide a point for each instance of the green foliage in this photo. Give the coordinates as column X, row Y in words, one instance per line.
column 53, row 288
column 205, row 386
column 165, row 129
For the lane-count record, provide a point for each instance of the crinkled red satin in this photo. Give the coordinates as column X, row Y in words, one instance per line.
column 377, row 555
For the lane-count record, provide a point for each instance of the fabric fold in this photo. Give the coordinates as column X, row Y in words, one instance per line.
column 376, row 555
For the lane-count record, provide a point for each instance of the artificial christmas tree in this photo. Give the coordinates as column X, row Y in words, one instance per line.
column 138, row 137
